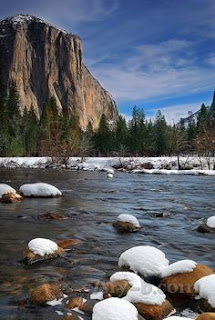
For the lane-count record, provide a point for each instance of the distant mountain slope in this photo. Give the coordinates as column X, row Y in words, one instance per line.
column 45, row 61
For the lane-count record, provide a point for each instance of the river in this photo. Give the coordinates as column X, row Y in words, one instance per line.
column 91, row 203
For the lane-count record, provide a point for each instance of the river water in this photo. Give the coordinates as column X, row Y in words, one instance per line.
column 91, row 203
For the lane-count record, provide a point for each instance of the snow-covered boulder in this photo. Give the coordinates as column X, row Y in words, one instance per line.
column 180, row 277
column 8, row 194
column 149, row 300
column 114, row 309
column 45, row 293
column 39, row 190
column 41, row 249
column 205, row 288
column 127, row 223
column 209, row 226
column 146, row 260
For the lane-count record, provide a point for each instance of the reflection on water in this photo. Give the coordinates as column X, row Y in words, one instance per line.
column 92, row 202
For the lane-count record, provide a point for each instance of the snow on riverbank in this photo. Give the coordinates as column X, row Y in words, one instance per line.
column 146, row 165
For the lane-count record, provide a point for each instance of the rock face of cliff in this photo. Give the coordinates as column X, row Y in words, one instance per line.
column 45, row 61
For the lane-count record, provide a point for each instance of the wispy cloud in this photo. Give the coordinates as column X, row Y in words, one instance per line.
column 165, row 69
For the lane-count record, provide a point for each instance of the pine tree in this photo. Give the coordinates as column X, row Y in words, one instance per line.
column 103, row 137
column 161, row 141
column 202, row 119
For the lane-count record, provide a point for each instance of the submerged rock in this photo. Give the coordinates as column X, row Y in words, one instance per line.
column 53, row 216
column 68, row 243
column 183, row 282
column 40, row 249
column 45, row 293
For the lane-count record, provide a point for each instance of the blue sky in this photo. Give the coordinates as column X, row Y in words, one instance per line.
column 156, row 54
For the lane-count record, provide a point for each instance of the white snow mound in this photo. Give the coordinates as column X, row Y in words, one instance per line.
column 177, row 318
column 146, row 260
column 205, row 287
column 114, row 309
column 124, row 217
column 42, row 246
column 39, row 190
column 182, row 266
column 211, row 222
column 5, row 188
column 140, row 291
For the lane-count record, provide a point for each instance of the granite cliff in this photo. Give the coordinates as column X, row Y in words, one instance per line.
column 45, row 61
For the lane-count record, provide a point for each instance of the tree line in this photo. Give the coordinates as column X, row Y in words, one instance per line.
column 57, row 134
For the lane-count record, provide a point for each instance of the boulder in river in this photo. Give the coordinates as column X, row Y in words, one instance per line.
column 206, row 316
column 39, row 190
column 205, row 289
column 182, row 281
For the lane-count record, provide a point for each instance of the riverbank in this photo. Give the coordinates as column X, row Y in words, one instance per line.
column 145, row 165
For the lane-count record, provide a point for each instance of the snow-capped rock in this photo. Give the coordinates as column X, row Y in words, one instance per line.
column 183, row 281
column 39, row 190
column 114, row 309
column 146, row 260
column 41, row 249
column 5, row 189
column 127, row 223
column 211, row 222
column 205, row 287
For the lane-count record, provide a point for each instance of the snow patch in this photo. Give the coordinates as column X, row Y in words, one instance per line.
column 140, row 291
column 129, row 218
column 211, row 222
column 114, row 308
column 177, row 318
column 39, row 190
column 42, row 246
column 182, row 266
column 54, row 302
column 146, row 260
column 205, row 287
column 97, row 295
column 5, row 188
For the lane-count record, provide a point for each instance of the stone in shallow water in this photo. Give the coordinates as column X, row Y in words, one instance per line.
column 11, row 197
column 46, row 292
column 206, row 316
column 154, row 312
column 205, row 229
column 68, row 243
column 74, row 303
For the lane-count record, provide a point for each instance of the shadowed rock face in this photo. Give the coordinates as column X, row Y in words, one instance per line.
column 45, row 61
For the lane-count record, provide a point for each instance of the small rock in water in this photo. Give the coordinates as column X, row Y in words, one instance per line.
column 205, row 229
column 11, row 198
column 53, row 216
column 46, row 292
column 74, row 303
column 88, row 306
